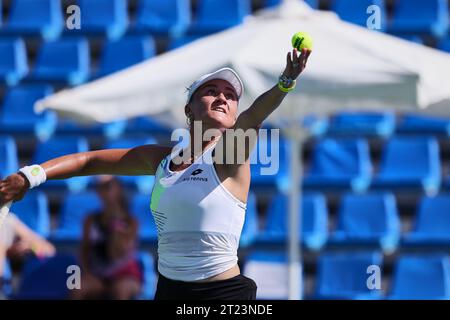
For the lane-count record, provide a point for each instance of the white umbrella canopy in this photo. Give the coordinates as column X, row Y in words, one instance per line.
column 350, row 68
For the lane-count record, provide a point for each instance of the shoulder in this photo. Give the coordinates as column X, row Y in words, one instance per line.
column 153, row 153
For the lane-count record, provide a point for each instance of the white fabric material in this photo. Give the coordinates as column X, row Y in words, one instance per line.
column 199, row 222
column 351, row 67
column 35, row 174
column 226, row 74
column 7, row 232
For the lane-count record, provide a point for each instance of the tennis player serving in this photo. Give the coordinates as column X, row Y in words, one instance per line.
column 198, row 205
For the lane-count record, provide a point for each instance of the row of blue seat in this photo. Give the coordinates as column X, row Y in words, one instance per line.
column 110, row 17
column 380, row 123
column 67, row 60
column 362, row 220
column 407, row 163
column 341, row 275
column 46, row 278
column 368, row 220
column 432, row 20
column 356, row 275
column 403, row 21
column 17, row 116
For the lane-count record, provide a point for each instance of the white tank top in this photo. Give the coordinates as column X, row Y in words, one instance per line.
column 199, row 221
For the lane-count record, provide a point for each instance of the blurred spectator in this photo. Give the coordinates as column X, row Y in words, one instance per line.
column 17, row 241
column 110, row 268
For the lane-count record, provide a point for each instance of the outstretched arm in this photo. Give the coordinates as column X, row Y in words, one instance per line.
column 141, row 160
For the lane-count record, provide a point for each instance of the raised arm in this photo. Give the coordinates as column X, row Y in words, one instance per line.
column 141, row 160
column 263, row 106
column 266, row 103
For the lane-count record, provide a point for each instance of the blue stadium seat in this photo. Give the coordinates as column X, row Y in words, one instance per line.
column 340, row 164
column 46, row 279
column 143, row 183
column 124, row 53
column 432, row 224
column 110, row 130
column 163, row 17
column 35, row 17
column 9, row 163
column 269, row 163
column 103, row 17
column 18, row 117
column 140, row 208
column 422, row 277
column 65, row 60
column 250, row 229
column 259, row 264
column 210, row 15
column 368, row 219
column 444, row 44
column 344, row 275
column 74, row 210
column 178, row 42
column 412, row 38
column 60, row 146
column 314, row 223
column 149, row 282
column 13, row 61
column 410, row 163
column 271, row 3
column 432, row 20
column 356, row 11
column 373, row 123
column 424, row 124
column 33, row 210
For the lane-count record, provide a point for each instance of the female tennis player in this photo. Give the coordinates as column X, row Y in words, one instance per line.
column 198, row 205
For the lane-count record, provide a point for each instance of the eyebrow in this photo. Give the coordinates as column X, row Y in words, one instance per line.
column 227, row 87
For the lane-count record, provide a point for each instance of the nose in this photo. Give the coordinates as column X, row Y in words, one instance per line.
column 223, row 100
column 222, row 97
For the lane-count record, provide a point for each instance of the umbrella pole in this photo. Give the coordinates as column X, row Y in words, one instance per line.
column 294, row 247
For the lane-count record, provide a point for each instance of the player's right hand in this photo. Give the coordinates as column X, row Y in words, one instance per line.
column 13, row 188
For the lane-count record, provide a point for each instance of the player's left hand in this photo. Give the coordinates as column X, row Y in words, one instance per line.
column 296, row 63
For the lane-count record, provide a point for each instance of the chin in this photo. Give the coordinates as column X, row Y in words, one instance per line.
column 219, row 122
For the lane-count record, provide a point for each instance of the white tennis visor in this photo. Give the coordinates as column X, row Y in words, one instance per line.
column 226, row 74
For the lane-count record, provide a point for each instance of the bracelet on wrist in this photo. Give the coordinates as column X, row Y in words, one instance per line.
column 287, row 90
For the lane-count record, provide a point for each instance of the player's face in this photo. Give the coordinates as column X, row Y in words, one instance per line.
column 215, row 104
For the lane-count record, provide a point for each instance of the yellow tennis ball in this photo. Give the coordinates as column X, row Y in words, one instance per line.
column 302, row 40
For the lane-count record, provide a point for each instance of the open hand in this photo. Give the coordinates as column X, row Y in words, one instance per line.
column 296, row 63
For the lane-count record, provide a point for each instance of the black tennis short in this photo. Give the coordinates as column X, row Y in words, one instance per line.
column 236, row 288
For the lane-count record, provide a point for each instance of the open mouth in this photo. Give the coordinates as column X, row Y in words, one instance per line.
column 219, row 109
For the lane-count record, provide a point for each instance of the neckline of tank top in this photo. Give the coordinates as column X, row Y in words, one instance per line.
column 199, row 157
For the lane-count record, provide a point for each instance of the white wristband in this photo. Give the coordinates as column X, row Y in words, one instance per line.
column 35, row 175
